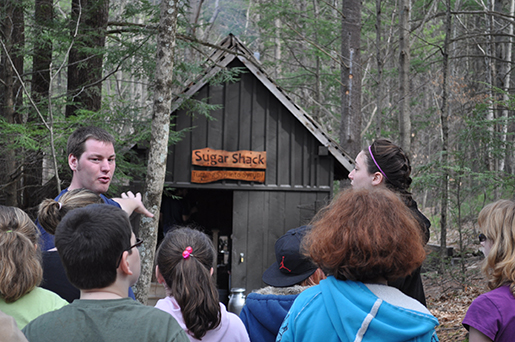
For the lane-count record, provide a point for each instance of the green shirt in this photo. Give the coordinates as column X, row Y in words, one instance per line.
column 33, row 304
column 105, row 320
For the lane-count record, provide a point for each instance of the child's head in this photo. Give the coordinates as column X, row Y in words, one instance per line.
column 185, row 261
column 51, row 212
column 91, row 241
column 497, row 223
column 20, row 259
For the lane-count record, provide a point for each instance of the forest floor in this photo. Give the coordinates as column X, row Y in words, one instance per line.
column 449, row 295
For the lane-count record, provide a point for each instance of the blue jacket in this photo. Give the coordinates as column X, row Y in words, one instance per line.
column 264, row 311
column 338, row 310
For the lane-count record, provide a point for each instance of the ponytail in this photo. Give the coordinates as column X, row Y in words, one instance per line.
column 185, row 259
column 51, row 212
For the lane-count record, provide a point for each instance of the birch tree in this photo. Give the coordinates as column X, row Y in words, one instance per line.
column 158, row 144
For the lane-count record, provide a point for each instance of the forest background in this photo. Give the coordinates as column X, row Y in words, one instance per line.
column 433, row 76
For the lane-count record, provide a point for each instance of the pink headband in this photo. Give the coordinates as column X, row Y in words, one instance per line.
column 370, row 150
column 187, row 252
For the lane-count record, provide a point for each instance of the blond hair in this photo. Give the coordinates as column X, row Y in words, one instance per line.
column 497, row 222
column 20, row 259
column 51, row 212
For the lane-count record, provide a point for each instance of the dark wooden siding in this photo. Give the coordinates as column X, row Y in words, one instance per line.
column 259, row 219
column 251, row 118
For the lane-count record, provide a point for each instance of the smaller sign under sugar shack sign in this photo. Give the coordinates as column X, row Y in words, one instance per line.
column 212, row 176
column 236, row 159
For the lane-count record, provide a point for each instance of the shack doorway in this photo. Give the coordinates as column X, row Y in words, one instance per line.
column 212, row 213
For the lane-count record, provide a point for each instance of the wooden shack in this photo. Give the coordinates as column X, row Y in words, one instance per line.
column 259, row 167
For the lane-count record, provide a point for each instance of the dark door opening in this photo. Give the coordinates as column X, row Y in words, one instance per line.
column 213, row 215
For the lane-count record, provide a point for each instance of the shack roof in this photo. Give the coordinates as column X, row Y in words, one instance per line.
column 230, row 48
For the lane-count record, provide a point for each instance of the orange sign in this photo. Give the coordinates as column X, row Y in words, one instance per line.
column 236, row 159
column 212, row 176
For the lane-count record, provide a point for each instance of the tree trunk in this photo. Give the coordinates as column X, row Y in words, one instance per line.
column 350, row 124
column 379, row 61
column 404, row 81
column 86, row 56
column 444, row 117
column 507, row 82
column 13, row 39
column 41, row 61
column 158, row 144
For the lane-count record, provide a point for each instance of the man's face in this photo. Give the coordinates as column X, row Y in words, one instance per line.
column 94, row 170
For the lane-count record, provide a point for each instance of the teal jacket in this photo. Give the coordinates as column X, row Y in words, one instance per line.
column 337, row 310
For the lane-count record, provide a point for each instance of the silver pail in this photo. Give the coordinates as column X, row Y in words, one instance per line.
column 236, row 300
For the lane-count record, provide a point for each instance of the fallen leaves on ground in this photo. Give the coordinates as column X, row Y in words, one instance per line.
column 448, row 299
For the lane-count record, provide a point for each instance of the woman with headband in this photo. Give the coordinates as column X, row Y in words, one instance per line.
column 384, row 164
column 185, row 262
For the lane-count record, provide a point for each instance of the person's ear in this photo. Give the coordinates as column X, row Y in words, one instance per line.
column 159, row 276
column 211, row 271
column 124, row 264
column 377, row 178
column 72, row 162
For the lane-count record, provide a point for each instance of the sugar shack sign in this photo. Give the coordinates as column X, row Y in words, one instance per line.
column 237, row 159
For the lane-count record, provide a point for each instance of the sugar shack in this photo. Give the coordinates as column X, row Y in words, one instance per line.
column 259, row 167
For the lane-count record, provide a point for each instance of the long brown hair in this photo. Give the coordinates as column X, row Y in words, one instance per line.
column 20, row 259
column 189, row 279
column 364, row 235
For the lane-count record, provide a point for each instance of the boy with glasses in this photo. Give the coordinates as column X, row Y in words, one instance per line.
column 99, row 253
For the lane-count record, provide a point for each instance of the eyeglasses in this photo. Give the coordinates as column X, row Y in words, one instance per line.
column 482, row 237
column 137, row 245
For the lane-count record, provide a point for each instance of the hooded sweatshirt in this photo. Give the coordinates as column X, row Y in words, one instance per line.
column 231, row 329
column 265, row 309
column 337, row 310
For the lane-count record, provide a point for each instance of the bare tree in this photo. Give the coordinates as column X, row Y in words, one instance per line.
column 444, row 117
column 404, row 80
column 379, row 61
column 350, row 125
column 159, row 142
column 13, row 40
column 86, row 57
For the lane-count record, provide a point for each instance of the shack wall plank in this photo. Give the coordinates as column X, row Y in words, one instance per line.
column 215, row 131
column 239, row 238
column 256, row 232
column 231, row 119
column 245, row 114
column 272, row 142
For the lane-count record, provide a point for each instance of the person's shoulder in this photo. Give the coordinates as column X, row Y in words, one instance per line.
column 152, row 313
column 308, row 296
column 44, row 323
column 500, row 296
column 110, row 201
column 44, row 298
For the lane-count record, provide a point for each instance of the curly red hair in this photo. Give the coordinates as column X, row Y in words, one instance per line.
column 363, row 235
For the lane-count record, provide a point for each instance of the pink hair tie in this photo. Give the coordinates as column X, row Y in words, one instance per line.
column 370, row 150
column 187, row 252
